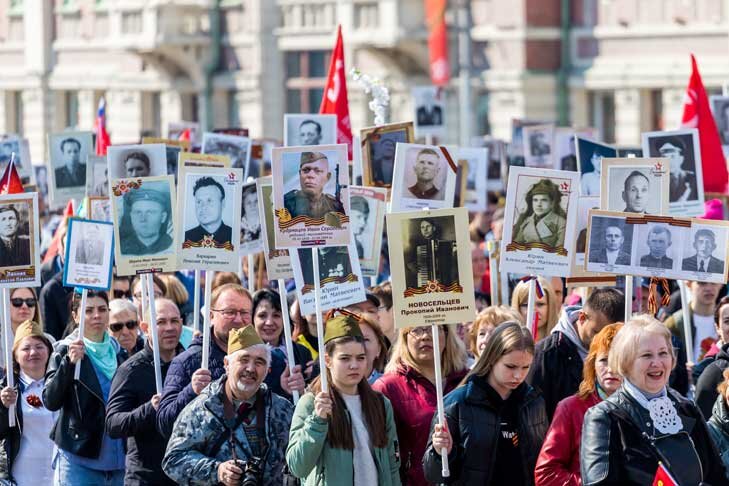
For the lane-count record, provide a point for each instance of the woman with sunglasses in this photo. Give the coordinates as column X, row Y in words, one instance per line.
column 26, row 446
column 86, row 454
column 124, row 325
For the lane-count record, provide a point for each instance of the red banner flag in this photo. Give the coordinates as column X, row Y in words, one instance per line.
column 102, row 136
column 440, row 68
column 697, row 114
column 335, row 100
column 663, row 477
column 10, row 182
column 185, row 135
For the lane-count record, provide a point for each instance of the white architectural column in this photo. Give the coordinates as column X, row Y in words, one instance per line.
column 37, row 116
column 672, row 107
column 87, row 107
column 170, row 109
column 124, row 116
column 6, row 109
column 579, row 108
column 628, row 104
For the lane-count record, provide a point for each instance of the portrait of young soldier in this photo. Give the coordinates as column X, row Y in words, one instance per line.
column 427, row 167
column 658, row 242
column 146, row 222
column 544, row 221
column 311, row 200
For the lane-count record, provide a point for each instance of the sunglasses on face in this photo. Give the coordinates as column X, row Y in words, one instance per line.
column 122, row 294
column 18, row 302
column 118, row 326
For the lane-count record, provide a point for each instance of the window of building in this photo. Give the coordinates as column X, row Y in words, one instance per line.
column 306, row 76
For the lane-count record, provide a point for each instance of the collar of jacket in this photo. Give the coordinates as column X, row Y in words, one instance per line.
column 627, row 409
column 215, row 400
column 148, row 353
column 478, row 395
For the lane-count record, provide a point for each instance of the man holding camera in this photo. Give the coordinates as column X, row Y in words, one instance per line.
column 236, row 431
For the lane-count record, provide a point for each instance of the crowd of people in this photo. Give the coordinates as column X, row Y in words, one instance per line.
column 591, row 398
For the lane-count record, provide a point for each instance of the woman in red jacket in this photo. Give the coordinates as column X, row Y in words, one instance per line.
column 409, row 384
column 559, row 460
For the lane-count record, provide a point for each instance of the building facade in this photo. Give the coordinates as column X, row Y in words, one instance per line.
column 247, row 62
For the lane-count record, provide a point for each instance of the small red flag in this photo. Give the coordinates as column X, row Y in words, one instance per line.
column 185, row 135
column 102, row 136
column 10, row 182
column 663, row 477
column 697, row 114
column 55, row 247
column 440, row 68
column 335, row 100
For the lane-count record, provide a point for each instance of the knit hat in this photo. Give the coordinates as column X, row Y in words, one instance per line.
column 27, row 329
column 713, row 210
column 342, row 326
column 311, row 157
column 242, row 338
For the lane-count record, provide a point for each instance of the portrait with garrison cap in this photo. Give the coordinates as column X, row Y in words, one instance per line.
column 145, row 223
column 311, row 196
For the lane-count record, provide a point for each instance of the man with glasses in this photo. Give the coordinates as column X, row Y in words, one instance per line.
column 131, row 412
column 124, row 325
column 230, row 308
column 121, row 287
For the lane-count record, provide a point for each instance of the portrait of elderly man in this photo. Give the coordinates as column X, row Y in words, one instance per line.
column 544, row 220
column 311, row 200
column 14, row 246
column 73, row 172
column 427, row 166
column 146, row 223
column 309, row 132
column 137, row 164
column 209, row 197
column 359, row 213
column 659, row 240
column 90, row 249
column 703, row 261
column 682, row 181
column 612, row 252
column 636, row 191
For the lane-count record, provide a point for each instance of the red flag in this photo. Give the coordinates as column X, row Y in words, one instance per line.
column 335, row 99
column 440, row 68
column 102, row 136
column 663, row 477
column 10, row 182
column 185, row 135
column 697, row 114
column 55, row 247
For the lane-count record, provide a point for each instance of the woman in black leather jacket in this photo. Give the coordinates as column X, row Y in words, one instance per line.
column 644, row 422
column 496, row 421
column 87, row 455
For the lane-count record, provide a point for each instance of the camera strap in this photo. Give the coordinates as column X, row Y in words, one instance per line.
column 260, row 429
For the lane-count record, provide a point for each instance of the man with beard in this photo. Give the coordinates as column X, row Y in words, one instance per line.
column 427, row 167
column 636, row 192
column 311, row 200
column 209, row 198
column 235, row 422
column 14, row 248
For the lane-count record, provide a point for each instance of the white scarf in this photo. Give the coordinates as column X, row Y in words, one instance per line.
column 661, row 409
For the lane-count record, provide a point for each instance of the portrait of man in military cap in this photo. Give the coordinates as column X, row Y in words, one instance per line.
column 210, row 204
column 146, row 222
column 311, row 200
column 543, row 220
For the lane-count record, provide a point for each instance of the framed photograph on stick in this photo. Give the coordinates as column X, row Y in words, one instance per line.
column 425, row 177
column 251, row 234
column 429, row 104
column 476, row 189
column 89, row 254
column 131, row 161
column 68, row 154
column 539, row 146
column 301, row 129
column 278, row 260
column 237, row 149
column 590, row 154
column 634, row 185
column 97, row 176
column 431, row 272
column 378, row 151
column 367, row 218
column 539, row 222
column 19, row 240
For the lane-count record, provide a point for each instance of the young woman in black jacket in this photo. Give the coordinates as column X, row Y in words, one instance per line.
column 495, row 421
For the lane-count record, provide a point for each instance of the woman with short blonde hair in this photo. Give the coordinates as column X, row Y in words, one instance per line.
column 546, row 309
column 485, row 323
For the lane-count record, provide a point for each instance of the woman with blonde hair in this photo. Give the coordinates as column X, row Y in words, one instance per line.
column 485, row 323
column 495, row 421
column 645, row 423
column 546, row 309
column 409, row 383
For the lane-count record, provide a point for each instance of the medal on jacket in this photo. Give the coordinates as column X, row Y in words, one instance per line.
column 34, row 401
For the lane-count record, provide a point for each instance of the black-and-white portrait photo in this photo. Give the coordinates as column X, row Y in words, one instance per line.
column 13, row 144
column 69, row 151
column 306, row 129
column 15, row 241
column 378, row 151
column 682, row 151
column 366, row 218
column 133, row 161
column 496, row 150
column 584, row 204
column 476, row 189
column 656, row 245
column 590, row 155
column 251, row 240
column 430, row 251
column 89, row 243
column 704, row 250
column 41, row 180
column 538, row 146
column 425, row 174
column 89, row 247
column 238, row 149
column 429, row 102
column 97, row 176
column 610, row 241
column 172, row 153
column 542, row 213
column 210, row 201
column 359, row 214
column 334, row 263
column 720, row 110
column 145, row 223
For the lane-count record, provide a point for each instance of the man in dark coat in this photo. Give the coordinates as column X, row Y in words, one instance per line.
column 613, row 253
column 73, row 172
column 209, row 204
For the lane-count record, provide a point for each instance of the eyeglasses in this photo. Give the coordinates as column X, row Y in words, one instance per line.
column 118, row 326
column 138, row 295
column 18, row 302
column 230, row 314
column 123, row 294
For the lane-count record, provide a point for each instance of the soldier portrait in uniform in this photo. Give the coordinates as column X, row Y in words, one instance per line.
column 654, row 253
column 704, row 244
column 238, row 149
column 146, row 225
column 14, row 236
column 73, row 172
column 544, row 220
column 424, row 177
column 89, row 249
column 133, row 161
column 306, row 130
column 378, row 151
column 538, row 146
column 69, row 152
column 429, row 103
column 311, row 200
column 208, row 197
column 427, row 169
column 589, row 160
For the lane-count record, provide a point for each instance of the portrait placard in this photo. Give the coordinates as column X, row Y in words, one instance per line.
column 579, row 277
column 259, row 164
column 13, row 144
column 539, row 146
column 99, row 208
column 145, row 224
column 565, row 151
column 634, row 185
column 19, row 240
column 189, row 159
column 496, row 170
column 378, row 151
column 251, row 234
column 208, row 204
column 425, row 177
column 340, row 278
column 97, row 176
column 476, row 182
column 68, row 153
column 133, row 161
column 539, row 221
column 172, row 151
column 430, row 263
column 589, row 161
column 367, row 217
column 278, row 261
column 311, row 196
column 302, row 129
column 89, row 254
column 720, row 109
column 238, row 149
column 41, row 178
column 429, row 104
column 658, row 246
column 686, row 182
column 515, row 151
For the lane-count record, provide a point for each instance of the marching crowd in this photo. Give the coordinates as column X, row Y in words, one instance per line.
column 594, row 398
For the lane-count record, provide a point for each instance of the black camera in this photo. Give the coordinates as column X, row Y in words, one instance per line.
column 251, row 471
